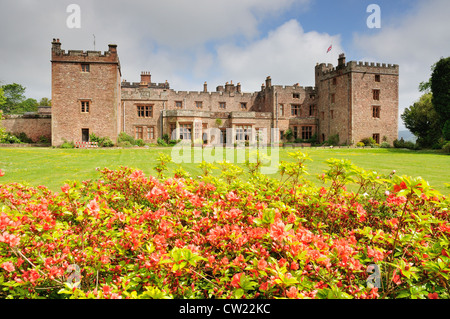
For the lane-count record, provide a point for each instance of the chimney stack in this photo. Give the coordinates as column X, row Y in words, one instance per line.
column 56, row 46
column 146, row 78
column 341, row 60
column 268, row 82
column 238, row 87
column 205, row 87
column 112, row 48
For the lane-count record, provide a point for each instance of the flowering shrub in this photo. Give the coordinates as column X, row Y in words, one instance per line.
column 127, row 235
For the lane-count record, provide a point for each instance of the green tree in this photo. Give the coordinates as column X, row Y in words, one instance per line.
column 423, row 121
column 14, row 94
column 45, row 101
column 440, row 87
column 29, row 105
column 2, row 97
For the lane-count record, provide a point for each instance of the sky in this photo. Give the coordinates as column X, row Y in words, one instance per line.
column 188, row 42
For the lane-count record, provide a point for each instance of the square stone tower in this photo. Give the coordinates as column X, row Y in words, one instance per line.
column 86, row 94
column 358, row 100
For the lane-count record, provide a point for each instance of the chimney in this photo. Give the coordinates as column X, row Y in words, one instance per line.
column 263, row 87
column 238, row 87
column 146, row 78
column 112, row 48
column 341, row 60
column 205, row 87
column 268, row 82
column 56, row 46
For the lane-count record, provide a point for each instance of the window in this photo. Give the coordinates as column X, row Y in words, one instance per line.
column 244, row 106
column 377, row 78
column 322, row 115
column 185, row 131
column 296, row 95
column 333, row 98
column 139, row 130
column 306, row 132
column 312, row 110
column 334, row 81
column 295, row 132
column 376, row 95
column 295, row 109
column 243, row 132
column 150, row 133
column 84, row 106
column 332, row 114
column 281, row 110
column 376, row 137
column 85, row 68
column 222, row 105
column 376, row 111
column 199, row 104
column 281, row 135
column 145, row 111
column 178, row 104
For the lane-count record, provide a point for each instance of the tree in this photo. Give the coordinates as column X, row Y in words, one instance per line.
column 423, row 121
column 2, row 97
column 440, row 87
column 14, row 94
column 45, row 101
column 29, row 105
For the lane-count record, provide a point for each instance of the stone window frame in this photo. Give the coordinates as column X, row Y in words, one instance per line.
column 307, row 132
column 85, row 67
column 296, row 110
column 243, row 132
column 334, row 81
column 179, row 104
column 295, row 95
column 139, row 132
column 222, row 105
column 377, row 78
column 376, row 111
column 150, row 132
column 199, row 104
column 85, row 108
column 376, row 94
column 186, row 131
column 332, row 114
column 244, row 106
column 144, row 111
column 333, row 97
column 281, row 109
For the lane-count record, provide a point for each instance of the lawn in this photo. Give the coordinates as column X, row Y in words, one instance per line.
column 52, row 167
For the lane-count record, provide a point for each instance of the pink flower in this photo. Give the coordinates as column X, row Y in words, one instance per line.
column 292, row 292
column 10, row 239
column 277, row 230
column 93, row 206
column 1, row 173
column 8, row 266
column 137, row 175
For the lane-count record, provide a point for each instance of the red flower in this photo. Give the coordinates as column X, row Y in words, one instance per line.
column 277, row 230
column 398, row 188
column 292, row 292
column 1, row 173
column 236, row 280
column 264, row 286
column 65, row 188
column 8, row 266
column 433, row 295
column 262, row 264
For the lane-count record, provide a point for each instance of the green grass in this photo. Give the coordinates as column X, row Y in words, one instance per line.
column 52, row 167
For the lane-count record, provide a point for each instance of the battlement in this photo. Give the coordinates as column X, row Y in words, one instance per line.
column 83, row 56
column 132, row 85
column 356, row 66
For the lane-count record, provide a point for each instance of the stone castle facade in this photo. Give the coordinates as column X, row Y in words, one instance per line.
column 354, row 100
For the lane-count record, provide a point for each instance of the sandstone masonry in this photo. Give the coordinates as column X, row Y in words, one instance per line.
column 354, row 100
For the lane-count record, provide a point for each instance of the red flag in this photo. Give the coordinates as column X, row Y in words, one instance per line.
column 329, row 49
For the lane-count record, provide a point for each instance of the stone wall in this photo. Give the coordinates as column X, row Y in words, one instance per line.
column 34, row 126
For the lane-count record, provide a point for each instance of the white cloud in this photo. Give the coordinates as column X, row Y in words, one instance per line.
column 415, row 42
column 287, row 54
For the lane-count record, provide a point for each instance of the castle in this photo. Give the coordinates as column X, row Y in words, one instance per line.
column 355, row 100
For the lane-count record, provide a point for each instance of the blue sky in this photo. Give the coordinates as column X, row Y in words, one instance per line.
column 190, row 42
